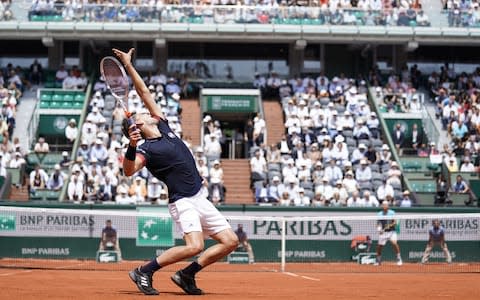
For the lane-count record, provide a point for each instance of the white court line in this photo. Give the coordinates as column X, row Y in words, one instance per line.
column 291, row 274
column 15, row 273
column 28, row 271
column 310, row 278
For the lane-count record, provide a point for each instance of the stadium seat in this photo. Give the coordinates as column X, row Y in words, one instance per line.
column 45, row 97
column 68, row 97
column 80, row 97
column 57, row 97
column 44, row 104
column 77, row 105
column 55, row 104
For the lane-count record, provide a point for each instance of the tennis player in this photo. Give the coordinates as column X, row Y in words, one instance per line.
column 169, row 160
column 436, row 236
column 387, row 232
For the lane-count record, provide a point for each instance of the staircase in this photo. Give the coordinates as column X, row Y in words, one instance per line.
column 236, row 175
column 19, row 194
column 191, row 121
column 274, row 120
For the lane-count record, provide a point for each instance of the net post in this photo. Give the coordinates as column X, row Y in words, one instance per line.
column 283, row 244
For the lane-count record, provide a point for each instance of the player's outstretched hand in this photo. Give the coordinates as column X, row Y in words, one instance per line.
column 134, row 134
column 125, row 58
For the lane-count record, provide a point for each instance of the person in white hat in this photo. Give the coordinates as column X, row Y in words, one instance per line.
column 122, row 196
column 406, row 201
column 275, row 190
column 364, row 173
column 373, row 125
column 302, row 199
column 75, row 189
column 333, row 172
column 71, row 131
column 16, row 160
column 138, row 190
column 99, row 152
column 56, row 179
column 325, row 188
column 361, row 130
column 216, row 187
column 358, row 154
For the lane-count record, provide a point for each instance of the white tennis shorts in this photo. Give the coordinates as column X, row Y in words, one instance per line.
column 387, row 236
column 197, row 213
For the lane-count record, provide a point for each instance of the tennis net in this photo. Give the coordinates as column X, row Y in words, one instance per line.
column 344, row 242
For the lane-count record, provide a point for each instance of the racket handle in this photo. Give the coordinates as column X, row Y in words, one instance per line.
column 130, row 122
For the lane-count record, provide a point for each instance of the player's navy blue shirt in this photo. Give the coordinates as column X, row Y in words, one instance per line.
column 170, row 160
column 437, row 233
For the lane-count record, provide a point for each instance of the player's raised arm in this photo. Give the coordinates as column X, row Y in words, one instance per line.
column 138, row 83
column 133, row 162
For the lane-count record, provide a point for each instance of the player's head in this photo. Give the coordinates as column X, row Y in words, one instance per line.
column 385, row 205
column 108, row 223
column 436, row 223
column 144, row 122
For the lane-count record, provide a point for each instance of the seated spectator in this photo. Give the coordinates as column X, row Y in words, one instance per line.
column 61, row 74
column 91, row 191
column 65, row 162
column 302, row 199
column 406, row 201
column 261, row 193
column 138, row 190
column 75, row 189
column 275, row 190
column 355, row 200
column 17, row 161
column 258, row 166
column 363, row 174
column 467, row 165
column 38, row 179
column 122, row 196
column 99, row 152
column 163, row 200
column 154, row 189
column 332, row 171
column 325, row 189
column 422, row 19
column 452, row 165
column 285, row 200
column 350, row 184
column 370, row 200
column 71, row 131
column 213, row 148
column 203, row 169
column 106, row 190
column 41, row 146
column 55, row 182
column 385, row 192
column 460, row 186
column 394, row 174
column 216, row 187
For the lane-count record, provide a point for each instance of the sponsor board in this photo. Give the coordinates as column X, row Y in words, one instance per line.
column 158, row 231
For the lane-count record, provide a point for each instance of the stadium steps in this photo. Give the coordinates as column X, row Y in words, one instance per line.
column 19, row 194
column 191, row 121
column 274, row 120
column 236, row 174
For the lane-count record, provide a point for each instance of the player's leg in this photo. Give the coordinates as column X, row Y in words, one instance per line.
column 382, row 240
column 251, row 257
column 426, row 253
column 447, row 252
column 396, row 247
column 188, row 221
column 216, row 226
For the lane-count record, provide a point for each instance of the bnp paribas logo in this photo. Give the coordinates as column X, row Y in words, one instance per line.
column 7, row 223
column 154, row 231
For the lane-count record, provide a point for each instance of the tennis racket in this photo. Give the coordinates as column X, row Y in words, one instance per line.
column 117, row 82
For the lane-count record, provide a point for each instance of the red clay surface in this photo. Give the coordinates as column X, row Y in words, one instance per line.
column 87, row 280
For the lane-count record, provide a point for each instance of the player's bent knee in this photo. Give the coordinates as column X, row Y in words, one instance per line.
column 232, row 243
column 194, row 249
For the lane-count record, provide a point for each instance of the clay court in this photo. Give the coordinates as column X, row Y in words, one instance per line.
column 87, row 280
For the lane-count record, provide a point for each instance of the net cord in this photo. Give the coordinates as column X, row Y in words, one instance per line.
column 366, row 217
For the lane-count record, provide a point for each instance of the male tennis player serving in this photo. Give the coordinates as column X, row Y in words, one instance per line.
column 168, row 159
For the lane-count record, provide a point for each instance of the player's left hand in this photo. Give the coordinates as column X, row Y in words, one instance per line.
column 134, row 134
column 125, row 58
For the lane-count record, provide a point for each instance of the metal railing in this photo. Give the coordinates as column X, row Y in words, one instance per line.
column 229, row 14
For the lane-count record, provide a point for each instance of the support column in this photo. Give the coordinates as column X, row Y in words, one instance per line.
column 55, row 55
column 296, row 57
column 400, row 58
column 160, row 56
